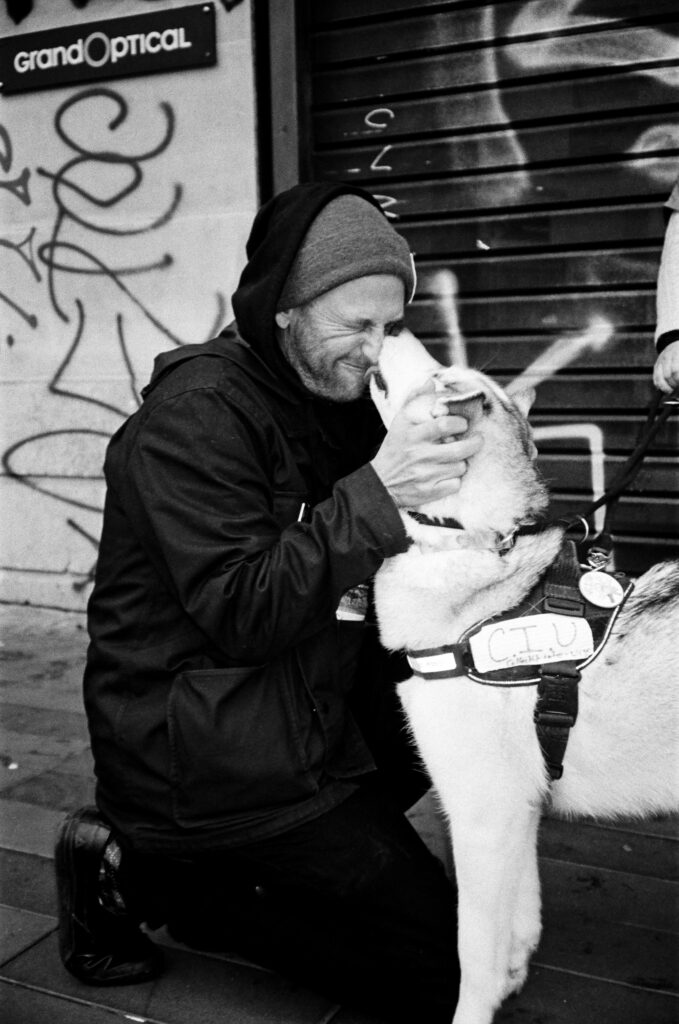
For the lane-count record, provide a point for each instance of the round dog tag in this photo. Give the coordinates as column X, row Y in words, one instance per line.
column 601, row 589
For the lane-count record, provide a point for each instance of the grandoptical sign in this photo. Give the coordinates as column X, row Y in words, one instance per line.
column 139, row 45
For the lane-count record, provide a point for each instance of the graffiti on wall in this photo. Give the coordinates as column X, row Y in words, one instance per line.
column 17, row 188
column 79, row 275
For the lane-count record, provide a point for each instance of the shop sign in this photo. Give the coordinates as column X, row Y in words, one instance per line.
column 142, row 44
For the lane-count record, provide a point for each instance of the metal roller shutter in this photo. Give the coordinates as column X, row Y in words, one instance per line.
column 525, row 150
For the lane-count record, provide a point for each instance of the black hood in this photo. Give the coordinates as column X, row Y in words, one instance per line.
column 277, row 234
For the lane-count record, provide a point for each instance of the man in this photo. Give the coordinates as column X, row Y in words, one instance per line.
column 666, row 369
column 252, row 765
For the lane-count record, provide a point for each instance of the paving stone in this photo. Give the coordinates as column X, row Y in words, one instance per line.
column 27, row 881
column 558, row 997
column 608, row 896
column 58, row 790
column 28, row 828
column 207, row 990
column 40, row 967
column 22, row 1004
column 426, row 817
column 645, row 850
column 42, row 722
column 20, row 929
column 634, row 956
column 194, row 988
column 25, row 755
column 41, row 691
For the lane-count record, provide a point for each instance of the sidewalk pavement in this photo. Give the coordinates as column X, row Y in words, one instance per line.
column 609, row 952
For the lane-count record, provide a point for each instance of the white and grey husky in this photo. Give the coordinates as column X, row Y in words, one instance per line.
column 472, row 698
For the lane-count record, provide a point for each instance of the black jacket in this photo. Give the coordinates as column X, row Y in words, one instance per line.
column 218, row 679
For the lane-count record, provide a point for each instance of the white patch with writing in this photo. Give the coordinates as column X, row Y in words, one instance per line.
column 531, row 640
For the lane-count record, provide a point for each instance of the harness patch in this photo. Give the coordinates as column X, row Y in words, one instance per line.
column 531, row 640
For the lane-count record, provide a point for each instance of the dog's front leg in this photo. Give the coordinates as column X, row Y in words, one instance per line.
column 526, row 922
column 488, row 847
column 480, row 749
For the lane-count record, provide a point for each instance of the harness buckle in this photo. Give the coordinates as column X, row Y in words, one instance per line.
column 563, row 604
column 560, row 718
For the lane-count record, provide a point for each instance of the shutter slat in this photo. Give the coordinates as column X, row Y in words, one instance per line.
column 470, row 26
column 644, row 50
column 457, row 112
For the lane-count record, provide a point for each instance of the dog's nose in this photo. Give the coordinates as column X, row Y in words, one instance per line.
column 373, row 375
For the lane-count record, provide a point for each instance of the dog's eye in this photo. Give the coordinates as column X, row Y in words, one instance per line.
column 487, row 405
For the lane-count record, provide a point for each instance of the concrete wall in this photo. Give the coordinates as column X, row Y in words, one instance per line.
column 124, row 209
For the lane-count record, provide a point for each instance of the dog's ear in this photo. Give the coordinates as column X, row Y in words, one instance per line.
column 523, row 397
column 456, row 400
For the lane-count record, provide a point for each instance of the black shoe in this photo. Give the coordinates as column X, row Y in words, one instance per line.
column 97, row 946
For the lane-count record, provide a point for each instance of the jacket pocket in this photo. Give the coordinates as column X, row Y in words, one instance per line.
column 238, row 742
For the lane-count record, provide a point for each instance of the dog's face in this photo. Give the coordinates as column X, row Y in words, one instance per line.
column 501, row 485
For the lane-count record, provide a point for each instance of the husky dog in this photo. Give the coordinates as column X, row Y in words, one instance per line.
column 472, row 698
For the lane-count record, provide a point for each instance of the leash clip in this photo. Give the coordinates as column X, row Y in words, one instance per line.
column 598, row 558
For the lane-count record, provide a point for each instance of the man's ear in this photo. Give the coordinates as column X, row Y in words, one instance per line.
column 523, row 397
column 283, row 318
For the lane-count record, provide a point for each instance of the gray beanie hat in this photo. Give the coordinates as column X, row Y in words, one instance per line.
column 349, row 238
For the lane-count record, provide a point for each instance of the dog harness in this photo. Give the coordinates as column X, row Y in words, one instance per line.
column 559, row 628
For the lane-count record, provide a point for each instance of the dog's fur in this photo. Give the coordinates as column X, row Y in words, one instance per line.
column 479, row 743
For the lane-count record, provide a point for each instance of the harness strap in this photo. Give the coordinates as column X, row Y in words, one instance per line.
column 561, row 592
column 556, row 711
column 440, row 662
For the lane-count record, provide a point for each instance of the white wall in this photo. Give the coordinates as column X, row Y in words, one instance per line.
column 84, row 307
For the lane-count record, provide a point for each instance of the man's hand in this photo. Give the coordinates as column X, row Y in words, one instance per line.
column 666, row 369
column 424, row 460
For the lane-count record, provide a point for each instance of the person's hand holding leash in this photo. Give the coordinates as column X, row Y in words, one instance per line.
column 422, row 458
column 666, row 369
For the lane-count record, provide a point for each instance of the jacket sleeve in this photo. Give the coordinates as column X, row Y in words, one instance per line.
column 254, row 579
column 667, row 291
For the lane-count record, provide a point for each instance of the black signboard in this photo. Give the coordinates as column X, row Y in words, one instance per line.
column 138, row 45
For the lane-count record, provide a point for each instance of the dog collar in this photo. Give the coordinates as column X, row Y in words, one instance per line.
column 496, row 541
column 502, row 543
column 447, row 521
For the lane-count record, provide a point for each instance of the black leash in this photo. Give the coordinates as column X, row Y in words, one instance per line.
column 600, row 546
column 556, row 709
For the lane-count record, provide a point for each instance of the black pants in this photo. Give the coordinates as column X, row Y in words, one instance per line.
column 352, row 904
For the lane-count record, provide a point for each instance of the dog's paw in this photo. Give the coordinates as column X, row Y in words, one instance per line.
column 515, row 980
column 519, row 962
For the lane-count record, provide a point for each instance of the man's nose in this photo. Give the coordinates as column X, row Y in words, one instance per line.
column 371, row 345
